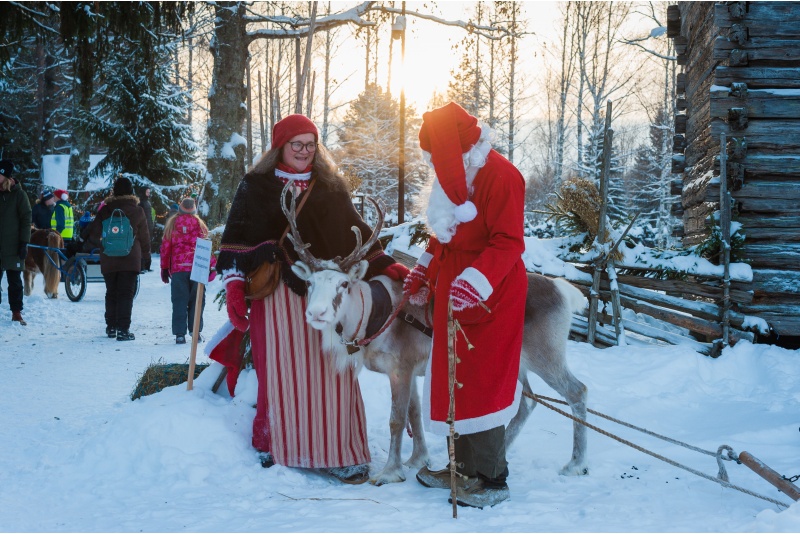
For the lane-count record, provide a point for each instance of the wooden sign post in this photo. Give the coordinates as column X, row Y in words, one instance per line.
column 201, row 266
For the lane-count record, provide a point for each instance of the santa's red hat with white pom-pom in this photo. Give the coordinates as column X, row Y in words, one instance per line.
column 447, row 133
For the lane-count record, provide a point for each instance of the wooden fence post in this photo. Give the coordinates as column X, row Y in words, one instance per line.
column 599, row 240
column 725, row 244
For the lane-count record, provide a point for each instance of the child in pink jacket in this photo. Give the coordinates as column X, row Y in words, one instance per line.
column 177, row 255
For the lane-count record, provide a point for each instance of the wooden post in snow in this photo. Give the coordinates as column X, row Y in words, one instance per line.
column 599, row 265
column 201, row 267
column 725, row 242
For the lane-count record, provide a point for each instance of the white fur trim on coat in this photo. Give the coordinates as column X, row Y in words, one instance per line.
column 476, row 279
column 425, row 259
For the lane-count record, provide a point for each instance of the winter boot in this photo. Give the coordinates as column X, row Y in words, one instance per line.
column 480, row 492
column 440, row 479
column 350, row 474
column 180, row 340
column 17, row 317
column 266, row 459
column 111, row 331
column 200, row 337
column 125, row 335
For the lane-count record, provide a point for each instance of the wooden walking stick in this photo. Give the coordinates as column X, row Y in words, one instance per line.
column 451, row 414
column 198, row 312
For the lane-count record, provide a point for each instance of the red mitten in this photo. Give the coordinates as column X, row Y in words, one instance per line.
column 415, row 286
column 463, row 295
column 237, row 306
column 396, row 271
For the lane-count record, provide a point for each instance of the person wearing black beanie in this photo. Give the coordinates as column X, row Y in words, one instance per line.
column 122, row 187
column 121, row 272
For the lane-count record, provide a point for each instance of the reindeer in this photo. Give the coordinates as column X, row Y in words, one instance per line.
column 340, row 302
column 36, row 262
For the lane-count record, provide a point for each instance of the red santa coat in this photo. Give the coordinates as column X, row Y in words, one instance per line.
column 490, row 248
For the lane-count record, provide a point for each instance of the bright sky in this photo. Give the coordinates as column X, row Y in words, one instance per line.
column 429, row 47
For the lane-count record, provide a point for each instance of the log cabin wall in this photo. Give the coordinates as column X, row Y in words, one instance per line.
column 741, row 76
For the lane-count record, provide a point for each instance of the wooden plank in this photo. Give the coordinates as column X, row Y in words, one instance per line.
column 761, row 190
column 739, row 292
column 784, row 319
column 772, row 255
column 776, row 282
column 777, row 135
column 759, row 103
column 759, row 77
column 780, row 19
column 759, row 49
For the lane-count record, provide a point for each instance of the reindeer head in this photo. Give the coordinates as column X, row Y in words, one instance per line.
column 331, row 283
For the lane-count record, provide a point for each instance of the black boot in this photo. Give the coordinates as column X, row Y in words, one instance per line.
column 111, row 331
column 125, row 335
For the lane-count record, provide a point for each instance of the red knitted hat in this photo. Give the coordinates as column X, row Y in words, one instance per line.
column 447, row 133
column 60, row 194
column 292, row 125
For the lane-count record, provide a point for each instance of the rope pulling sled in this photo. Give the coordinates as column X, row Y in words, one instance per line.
column 783, row 483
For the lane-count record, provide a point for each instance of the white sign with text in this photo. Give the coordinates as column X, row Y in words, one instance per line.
column 201, row 265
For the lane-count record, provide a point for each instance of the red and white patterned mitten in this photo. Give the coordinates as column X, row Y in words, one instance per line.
column 463, row 295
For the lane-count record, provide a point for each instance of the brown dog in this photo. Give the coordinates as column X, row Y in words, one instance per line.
column 36, row 262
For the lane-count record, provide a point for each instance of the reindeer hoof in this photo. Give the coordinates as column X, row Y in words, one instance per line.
column 574, row 470
column 388, row 478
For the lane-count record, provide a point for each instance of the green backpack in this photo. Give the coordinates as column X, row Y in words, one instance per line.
column 117, row 234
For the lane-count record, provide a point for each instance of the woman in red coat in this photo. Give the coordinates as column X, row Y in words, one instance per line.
column 474, row 260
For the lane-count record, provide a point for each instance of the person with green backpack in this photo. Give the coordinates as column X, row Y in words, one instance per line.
column 120, row 231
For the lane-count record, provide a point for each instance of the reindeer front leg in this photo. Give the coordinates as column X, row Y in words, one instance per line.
column 400, row 382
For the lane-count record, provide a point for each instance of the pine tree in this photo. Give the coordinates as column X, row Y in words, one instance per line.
column 368, row 151
column 142, row 122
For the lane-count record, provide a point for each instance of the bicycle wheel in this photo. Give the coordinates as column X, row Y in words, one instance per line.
column 75, row 279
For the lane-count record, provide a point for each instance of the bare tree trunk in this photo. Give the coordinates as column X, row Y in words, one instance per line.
column 326, row 100
column 226, row 150
column 306, row 61
column 261, row 114
column 249, row 121
column 511, row 95
column 565, row 83
column 310, row 99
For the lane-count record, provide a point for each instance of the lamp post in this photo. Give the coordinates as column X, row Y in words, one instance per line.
column 399, row 32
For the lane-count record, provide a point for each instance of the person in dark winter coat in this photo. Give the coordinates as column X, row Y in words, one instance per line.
column 43, row 210
column 121, row 272
column 15, row 234
column 321, row 424
column 177, row 256
column 150, row 216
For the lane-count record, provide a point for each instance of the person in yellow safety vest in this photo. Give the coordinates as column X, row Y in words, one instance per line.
column 63, row 218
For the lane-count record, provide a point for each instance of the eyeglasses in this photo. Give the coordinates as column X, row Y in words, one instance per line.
column 297, row 146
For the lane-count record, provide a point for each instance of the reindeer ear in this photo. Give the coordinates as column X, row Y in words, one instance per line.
column 302, row 270
column 359, row 270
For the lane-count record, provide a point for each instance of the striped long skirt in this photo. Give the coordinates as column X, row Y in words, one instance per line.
column 307, row 414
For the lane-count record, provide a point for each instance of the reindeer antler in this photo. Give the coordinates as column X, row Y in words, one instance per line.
column 294, row 236
column 360, row 251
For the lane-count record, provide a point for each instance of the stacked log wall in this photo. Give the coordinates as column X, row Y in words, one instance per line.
column 742, row 78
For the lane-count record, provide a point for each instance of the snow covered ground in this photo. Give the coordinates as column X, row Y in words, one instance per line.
column 79, row 455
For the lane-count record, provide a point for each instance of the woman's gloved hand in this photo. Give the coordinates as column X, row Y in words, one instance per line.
column 236, row 304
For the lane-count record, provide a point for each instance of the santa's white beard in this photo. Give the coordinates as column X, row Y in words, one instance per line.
column 441, row 214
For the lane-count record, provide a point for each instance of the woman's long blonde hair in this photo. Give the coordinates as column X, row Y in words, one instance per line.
column 170, row 225
column 323, row 166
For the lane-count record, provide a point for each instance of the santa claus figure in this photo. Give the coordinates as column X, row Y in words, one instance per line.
column 474, row 260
